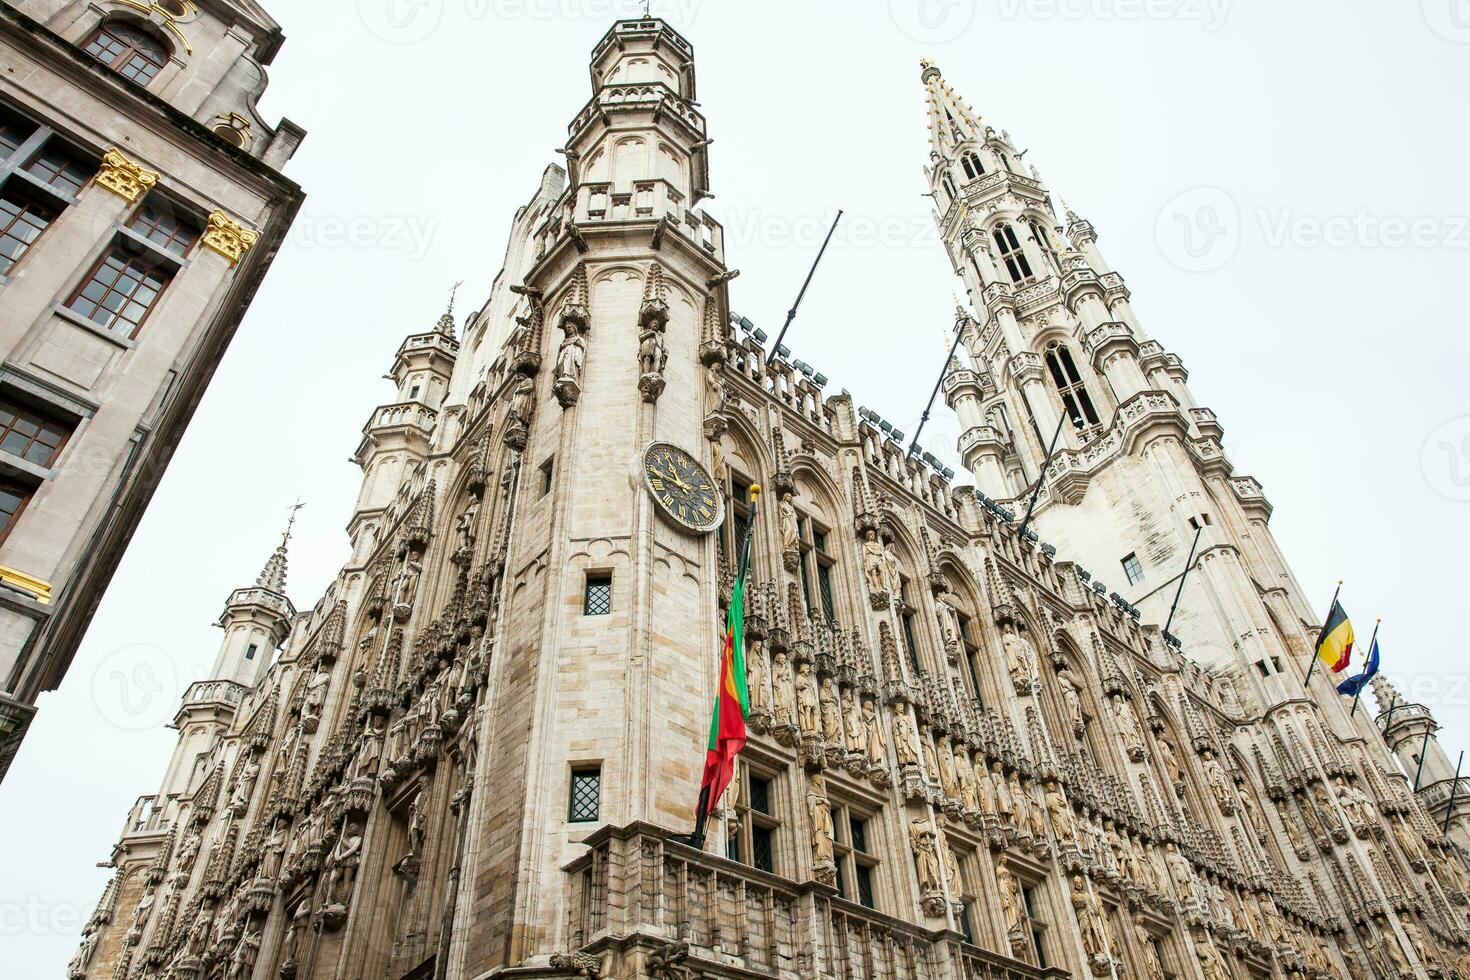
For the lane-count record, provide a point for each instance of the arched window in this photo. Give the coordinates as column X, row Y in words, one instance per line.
column 1043, row 240
column 971, row 162
column 949, row 187
column 1015, row 260
column 1070, row 388
column 130, row 51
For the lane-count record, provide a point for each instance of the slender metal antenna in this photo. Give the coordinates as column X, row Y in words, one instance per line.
column 291, row 523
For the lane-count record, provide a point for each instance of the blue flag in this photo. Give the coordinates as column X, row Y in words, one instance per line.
column 1354, row 684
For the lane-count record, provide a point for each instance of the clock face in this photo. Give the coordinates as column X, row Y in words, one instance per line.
column 682, row 487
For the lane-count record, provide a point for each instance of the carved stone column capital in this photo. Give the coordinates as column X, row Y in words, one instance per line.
column 126, row 179
column 229, row 237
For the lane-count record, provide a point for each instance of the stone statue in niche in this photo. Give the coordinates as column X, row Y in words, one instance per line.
column 948, row 860
column 465, row 526
column 1128, row 729
column 831, row 713
column 344, row 861
column 316, row 699
column 965, row 776
column 875, row 731
column 78, row 966
column 1171, row 761
column 244, row 786
column 653, row 356
column 715, row 394
column 808, row 704
column 300, row 923
column 781, row 689
column 1011, row 905
column 408, row 588
column 895, row 571
column 1061, row 814
column 852, row 717
column 926, row 859
column 273, row 851
column 1219, row 783
column 948, row 778
column 1020, row 658
column 571, row 359
column 875, row 569
column 189, row 849
column 755, row 677
column 1072, row 700
column 786, row 517
column 926, row 745
column 242, row 958
column 905, row 748
column 369, row 749
column 819, row 808
column 1148, row 953
column 1089, row 922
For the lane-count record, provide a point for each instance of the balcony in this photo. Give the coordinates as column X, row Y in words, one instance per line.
column 635, row 888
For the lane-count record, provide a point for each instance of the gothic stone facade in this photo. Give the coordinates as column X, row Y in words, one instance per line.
column 141, row 202
column 970, row 758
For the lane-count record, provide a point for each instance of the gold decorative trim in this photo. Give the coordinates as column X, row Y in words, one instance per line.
column 39, row 589
column 126, row 179
column 229, row 237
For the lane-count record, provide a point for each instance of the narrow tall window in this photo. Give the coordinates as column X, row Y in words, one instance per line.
column 547, row 471
column 1037, row 926
column 131, row 52
column 816, row 568
column 1016, row 263
column 949, row 187
column 598, row 599
column 121, row 292
column 14, row 496
column 752, row 837
column 1043, row 240
column 250, row 651
column 853, row 852
column 906, row 619
column 33, row 436
column 21, row 222
column 1133, row 568
column 972, row 655
column 1070, row 387
column 971, row 163
column 586, row 793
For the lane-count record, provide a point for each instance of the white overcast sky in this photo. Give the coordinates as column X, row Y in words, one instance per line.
column 1314, row 152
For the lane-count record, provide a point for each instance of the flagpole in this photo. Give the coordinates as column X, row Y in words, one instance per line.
column 702, row 808
column 1371, row 643
column 1317, row 647
column 1046, row 465
column 1454, row 791
column 1423, row 751
column 1188, row 564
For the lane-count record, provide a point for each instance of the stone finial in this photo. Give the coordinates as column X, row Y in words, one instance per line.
column 228, row 237
column 574, row 305
column 654, row 310
column 126, row 179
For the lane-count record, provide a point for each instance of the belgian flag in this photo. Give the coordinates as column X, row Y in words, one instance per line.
column 1335, row 645
column 727, row 732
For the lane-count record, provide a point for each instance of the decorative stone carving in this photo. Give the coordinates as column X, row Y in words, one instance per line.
column 1090, row 927
column 228, row 237
column 875, row 570
column 316, row 699
column 1128, row 728
column 782, row 687
column 1020, row 657
column 126, row 179
column 1012, row 907
column 571, row 360
column 790, row 544
column 244, row 787
column 874, row 729
column 342, row 875
column 653, row 357
column 922, row 839
column 518, row 418
column 905, row 747
column 1219, row 784
column 1072, row 700
column 808, row 704
column 819, row 810
column 831, row 713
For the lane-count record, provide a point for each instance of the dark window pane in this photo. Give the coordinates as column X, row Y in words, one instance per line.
column 733, row 847
column 824, row 581
column 13, row 132
column 57, row 167
column 598, row 601
column 865, row 885
column 760, row 842
column 860, row 835
column 31, row 435
column 760, row 795
column 21, row 223
column 164, row 228
column 586, row 788
column 12, row 498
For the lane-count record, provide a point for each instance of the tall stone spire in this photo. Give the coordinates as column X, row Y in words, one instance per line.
column 952, row 121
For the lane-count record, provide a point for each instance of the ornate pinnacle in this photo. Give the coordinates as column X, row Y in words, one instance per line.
column 273, row 575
